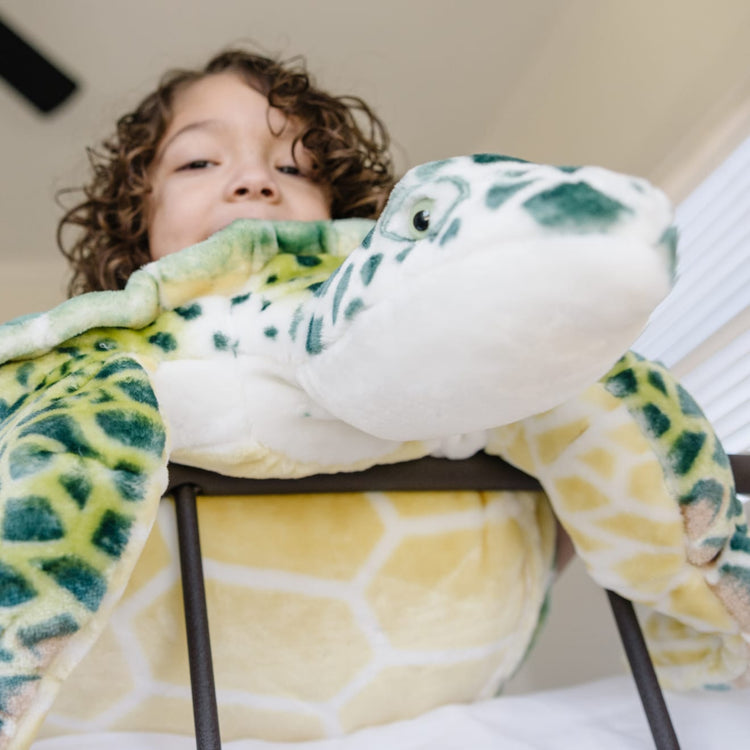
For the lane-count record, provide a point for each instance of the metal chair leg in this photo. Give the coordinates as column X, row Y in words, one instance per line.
column 205, row 711
column 644, row 674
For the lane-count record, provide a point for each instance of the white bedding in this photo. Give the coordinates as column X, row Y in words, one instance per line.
column 606, row 714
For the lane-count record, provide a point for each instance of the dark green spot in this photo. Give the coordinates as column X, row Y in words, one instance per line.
column 705, row 490
column 72, row 351
column 353, row 308
column 10, row 687
column 340, row 291
column 165, row 341
column 657, row 381
column 101, row 397
column 498, row 194
column 132, row 429
column 369, row 267
column 139, row 390
column 451, row 231
column 41, row 384
column 314, row 342
column 55, row 627
column 404, row 254
column 14, row 588
column 658, row 422
column 687, row 403
column 117, row 365
column 78, row 486
column 75, row 575
column 315, row 287
column 309, row 261
column 221, row 341
column 493, row 158
column 130, row 481
column 719, row 455
column 113, row 533
column 191, row 311
column 28, row 459
column 575, row 207
column 272, row 279
column 367, row 240
column 568, row 170
column 294, row 325
column 740, row 542
column 64, row 430
column 740, row 575
column 685, row 450
column 31, row 519
column 23, row 373
column 271, row 332
column 265, row 305
column 239, row 299
column 7, row 410
column 623, row 384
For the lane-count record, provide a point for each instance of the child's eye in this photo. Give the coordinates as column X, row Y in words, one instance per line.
column 195, row 164
column 289, row 169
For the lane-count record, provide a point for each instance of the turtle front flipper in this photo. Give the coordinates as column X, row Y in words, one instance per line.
column 641, row 484
column 222, row 264
column 82, row 468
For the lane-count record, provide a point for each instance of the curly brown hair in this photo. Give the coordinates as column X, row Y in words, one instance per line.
column 347, row 142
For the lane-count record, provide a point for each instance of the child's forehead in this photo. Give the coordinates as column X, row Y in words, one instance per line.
column 226, row 97
column 215, row 91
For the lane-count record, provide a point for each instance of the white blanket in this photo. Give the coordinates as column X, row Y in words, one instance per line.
column 602, row 715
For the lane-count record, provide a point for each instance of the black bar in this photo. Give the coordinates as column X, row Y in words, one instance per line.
column 32, row 75
column 644, row 674
column 205, row 711
column 740, row 464
column 480, row 472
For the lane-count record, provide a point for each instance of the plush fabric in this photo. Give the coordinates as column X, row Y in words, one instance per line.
column 595, row 715
column 490, row 308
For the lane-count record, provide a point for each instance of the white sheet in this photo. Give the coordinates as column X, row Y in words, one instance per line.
column 596, row 715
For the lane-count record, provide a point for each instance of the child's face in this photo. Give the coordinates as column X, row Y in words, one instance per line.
column 219, row 161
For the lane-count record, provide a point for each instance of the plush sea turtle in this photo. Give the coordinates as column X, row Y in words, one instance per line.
column 490, row 308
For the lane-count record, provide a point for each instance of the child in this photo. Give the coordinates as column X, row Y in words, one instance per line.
column 313, row 147
column 328, row 612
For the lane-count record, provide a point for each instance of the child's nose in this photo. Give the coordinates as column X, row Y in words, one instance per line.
column 253, row 182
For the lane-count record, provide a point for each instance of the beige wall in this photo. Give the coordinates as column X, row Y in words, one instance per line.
column 30, row 286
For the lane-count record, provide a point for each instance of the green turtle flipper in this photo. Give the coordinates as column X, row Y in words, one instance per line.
column 132, row 307
column 639, row 480
column 219, row 265
column 82, row 468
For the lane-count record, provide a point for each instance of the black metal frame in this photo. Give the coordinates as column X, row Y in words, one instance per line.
column 481, row 472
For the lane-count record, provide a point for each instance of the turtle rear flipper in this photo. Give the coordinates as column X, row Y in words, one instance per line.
column 639, row 481
column 82, row 468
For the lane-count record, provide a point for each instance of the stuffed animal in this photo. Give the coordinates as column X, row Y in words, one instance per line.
column 490, row 308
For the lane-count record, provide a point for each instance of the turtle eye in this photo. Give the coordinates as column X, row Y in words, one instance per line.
column 417, row 212
column 421, row 220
